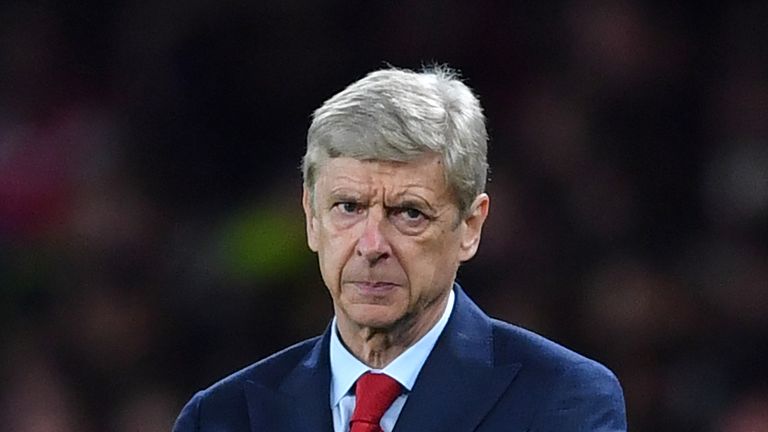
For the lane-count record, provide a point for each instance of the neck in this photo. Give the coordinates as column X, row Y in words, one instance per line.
column 377, row 347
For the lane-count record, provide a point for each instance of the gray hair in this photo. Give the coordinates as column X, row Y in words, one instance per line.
column 399, row 115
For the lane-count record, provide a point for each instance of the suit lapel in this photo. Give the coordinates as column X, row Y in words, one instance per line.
column 461, row 381
column 301, row 403
column 458, row 385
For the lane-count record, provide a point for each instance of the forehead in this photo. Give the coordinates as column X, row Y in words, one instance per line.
column 425, row 173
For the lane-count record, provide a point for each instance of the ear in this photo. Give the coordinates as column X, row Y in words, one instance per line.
column 311, row 221
column 473, row 226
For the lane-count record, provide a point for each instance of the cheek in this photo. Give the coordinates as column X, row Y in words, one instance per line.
column 437, row 257
column 438, row 245
column 333, row 255
column 421, row 257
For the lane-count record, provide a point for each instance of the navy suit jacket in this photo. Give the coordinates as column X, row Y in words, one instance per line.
column 482, row 375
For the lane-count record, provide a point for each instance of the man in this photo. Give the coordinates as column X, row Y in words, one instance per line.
column 394, row 175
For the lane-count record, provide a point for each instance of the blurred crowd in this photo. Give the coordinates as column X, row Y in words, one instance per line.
column 151, row 235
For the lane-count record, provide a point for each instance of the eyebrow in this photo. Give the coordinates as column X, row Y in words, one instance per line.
column 401, row 199
column 407, row 200
column 345, row 192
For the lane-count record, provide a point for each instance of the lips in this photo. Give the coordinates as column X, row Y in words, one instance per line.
column 374, row 287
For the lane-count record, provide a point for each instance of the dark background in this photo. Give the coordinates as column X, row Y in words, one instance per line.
column 151, row 238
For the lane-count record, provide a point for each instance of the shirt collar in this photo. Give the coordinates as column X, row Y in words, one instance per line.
column 405, row 368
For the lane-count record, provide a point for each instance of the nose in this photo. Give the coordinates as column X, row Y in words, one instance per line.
column 373, row 244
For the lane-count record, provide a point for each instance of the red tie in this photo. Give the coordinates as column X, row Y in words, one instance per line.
column 373, row 395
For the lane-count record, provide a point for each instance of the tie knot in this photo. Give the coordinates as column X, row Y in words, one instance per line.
column 374, row 393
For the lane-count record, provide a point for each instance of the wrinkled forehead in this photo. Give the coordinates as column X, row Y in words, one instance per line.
column 423, row 173
column 421, row 167
column 369, row 145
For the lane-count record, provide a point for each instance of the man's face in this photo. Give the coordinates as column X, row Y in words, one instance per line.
column 389, row 239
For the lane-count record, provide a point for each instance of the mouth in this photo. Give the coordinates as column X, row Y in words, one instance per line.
column 374, row 288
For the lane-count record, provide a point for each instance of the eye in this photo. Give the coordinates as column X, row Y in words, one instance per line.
column 348, row 207
column 409, row 220
column 411, row 214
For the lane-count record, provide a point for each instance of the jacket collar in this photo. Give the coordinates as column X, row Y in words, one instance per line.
column 462, row 379
column 457, row 386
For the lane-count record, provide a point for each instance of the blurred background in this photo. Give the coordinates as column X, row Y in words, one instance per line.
column 151, row 236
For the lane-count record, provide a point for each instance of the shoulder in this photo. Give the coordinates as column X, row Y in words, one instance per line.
column 268, row 371
column 539, row 358
column 536, row 350
column 543, row 357
column 567, row 385
column 224, row 402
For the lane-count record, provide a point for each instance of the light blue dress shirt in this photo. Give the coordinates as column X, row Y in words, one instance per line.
column 405, row 368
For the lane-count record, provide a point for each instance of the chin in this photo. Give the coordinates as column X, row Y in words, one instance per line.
column 374, row 316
